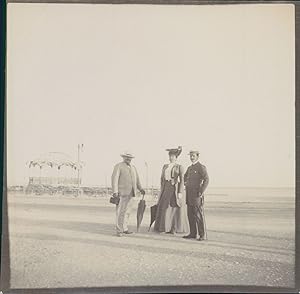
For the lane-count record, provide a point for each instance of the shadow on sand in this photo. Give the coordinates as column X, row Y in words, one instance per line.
column 119, row 244
column 109, row 229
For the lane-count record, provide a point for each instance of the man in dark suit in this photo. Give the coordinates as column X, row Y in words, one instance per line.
column 196, row 180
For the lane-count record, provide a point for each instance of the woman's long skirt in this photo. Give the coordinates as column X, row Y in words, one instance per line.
column 169, row 216
column 167, row 198
column 177, row 219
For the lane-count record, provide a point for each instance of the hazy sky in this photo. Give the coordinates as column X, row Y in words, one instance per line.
column 149, row 77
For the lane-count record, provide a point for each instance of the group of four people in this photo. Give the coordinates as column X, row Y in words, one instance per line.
column 175, row 213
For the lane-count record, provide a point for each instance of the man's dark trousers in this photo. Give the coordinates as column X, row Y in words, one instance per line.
column 196, row 220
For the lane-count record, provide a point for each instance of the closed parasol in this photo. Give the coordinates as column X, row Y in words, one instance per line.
column 140, row 213
column 153, row 210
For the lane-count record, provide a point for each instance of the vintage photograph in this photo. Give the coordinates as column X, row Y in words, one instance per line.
column 150, row 145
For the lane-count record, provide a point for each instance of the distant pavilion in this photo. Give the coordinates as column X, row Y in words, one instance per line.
column 54, row 169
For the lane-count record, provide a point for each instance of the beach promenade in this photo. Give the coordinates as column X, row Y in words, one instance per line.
column 60, row 241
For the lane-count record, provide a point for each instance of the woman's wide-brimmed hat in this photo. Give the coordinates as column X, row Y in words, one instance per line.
column 176, row 151
column 127, row 154
column 194, row 152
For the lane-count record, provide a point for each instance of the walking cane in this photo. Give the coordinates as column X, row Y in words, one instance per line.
column 203, row 217
column 201, row 210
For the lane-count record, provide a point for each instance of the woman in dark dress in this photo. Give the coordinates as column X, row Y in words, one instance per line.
column 170, row 217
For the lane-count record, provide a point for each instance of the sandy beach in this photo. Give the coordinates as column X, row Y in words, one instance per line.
column 64, row 241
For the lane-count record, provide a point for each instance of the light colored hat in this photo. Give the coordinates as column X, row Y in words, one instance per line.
column 127, row 154
column 194, row 151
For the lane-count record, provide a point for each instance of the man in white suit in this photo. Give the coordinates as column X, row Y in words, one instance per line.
column 125, row 184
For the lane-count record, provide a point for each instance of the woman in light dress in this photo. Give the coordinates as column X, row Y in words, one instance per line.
column 171, row 216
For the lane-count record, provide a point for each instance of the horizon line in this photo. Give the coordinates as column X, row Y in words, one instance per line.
column 211, row 187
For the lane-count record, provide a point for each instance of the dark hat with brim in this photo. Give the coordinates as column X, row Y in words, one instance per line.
column 175, row 151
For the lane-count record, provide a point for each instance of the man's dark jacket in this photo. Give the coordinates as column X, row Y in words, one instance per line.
column 196, row 180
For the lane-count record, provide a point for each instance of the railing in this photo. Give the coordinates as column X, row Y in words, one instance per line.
column 53, row 181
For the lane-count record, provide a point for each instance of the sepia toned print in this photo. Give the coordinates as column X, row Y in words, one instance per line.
column 150, row 145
